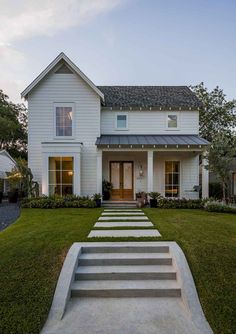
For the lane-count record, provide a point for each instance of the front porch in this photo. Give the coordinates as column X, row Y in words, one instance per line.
column 172, row 170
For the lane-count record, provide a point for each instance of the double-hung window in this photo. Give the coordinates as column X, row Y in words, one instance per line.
column 172, row 179
column 64, row 119
column 172, row 121
column 122, row 122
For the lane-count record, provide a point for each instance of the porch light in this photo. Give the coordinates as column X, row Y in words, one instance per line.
column 140, row 170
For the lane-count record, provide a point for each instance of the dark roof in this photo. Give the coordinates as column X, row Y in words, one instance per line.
column 150, row 140
column 150, row 96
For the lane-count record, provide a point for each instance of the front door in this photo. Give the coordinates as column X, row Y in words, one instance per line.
column 121, row 177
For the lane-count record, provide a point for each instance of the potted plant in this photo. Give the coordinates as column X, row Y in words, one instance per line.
column 140, row 199
column 97, row 198
column 106, row 189
column 154, row 196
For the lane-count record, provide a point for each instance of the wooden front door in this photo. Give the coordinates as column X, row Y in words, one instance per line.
column 121, row 177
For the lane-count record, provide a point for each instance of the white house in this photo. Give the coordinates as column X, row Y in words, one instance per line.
column 7, row 163
column 141, row 138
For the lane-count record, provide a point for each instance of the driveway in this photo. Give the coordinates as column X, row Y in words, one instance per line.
column 9, row 212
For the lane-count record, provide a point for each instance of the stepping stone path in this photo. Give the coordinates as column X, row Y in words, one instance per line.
column 117, row 218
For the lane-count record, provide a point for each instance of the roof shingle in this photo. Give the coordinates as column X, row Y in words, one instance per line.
column 150, row 96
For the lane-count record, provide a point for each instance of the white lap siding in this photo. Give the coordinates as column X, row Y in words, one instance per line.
column 66, row 88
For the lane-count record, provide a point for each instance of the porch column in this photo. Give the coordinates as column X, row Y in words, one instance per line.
column 149, row 171
column 205, row 178
column 99, row 172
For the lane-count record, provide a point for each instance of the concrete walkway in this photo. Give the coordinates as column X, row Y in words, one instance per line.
column 112, row 221
column 126, row 287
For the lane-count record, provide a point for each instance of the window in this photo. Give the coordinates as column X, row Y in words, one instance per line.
column 61, row 171
column 172, row 178
column 121, row 122
column 63, row 119
column 173, row 121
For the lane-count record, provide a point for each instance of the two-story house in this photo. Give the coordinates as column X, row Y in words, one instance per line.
column 141, row 138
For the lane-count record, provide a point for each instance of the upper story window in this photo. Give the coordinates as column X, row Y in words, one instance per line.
column 64, row 119
column 122, row 122
column 173, row 121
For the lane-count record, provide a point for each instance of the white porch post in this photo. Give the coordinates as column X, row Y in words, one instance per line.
column 205, row 178
column 77, row 174
column 99, row 172
column 149, row 171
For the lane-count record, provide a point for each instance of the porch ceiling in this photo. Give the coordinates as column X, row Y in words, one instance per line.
column 150, row 140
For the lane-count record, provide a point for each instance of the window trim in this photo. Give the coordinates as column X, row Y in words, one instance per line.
column 233, row 188
column 175, row 113
column 127, row 121
column 180, row 177
column 64, row 104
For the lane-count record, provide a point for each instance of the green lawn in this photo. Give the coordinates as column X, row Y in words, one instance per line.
column 33, row 249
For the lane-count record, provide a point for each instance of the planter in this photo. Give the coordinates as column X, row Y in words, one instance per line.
column 1, row 196
column 13, row 196
column 106, row 195
column 153, row 203
column 98, row 203
column 140, row 202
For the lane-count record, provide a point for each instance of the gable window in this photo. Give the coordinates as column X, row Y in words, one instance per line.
column 172, row 178
column 64, row 119
column 172, row 121
column 60, row 175
column 122, row 122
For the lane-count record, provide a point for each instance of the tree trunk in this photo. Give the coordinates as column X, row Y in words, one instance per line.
column 223, row 184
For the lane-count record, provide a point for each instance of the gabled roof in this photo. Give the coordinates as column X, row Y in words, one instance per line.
column 59, row 58
column 150, row 97
column 6, row 163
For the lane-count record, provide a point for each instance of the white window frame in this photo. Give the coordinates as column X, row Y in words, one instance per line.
column 180, row 177
column 178, row 121
column 127, row 121
column 64, row 104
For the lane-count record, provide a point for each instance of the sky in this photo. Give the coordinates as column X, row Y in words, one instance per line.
column 120, row 42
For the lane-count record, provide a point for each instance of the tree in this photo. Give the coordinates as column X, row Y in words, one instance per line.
column 217, row 114
column 13, row 127
column 220, row 156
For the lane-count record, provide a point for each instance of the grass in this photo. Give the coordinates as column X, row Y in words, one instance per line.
column 33, row 249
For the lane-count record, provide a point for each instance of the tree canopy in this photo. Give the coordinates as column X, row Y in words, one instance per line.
column 13, row 127
column 217, row 115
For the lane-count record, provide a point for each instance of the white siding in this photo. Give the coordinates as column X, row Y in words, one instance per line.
column 149, row 122
column 65, row 88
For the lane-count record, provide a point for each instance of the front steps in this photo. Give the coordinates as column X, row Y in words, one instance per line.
column 122, row 271
column 119, row 204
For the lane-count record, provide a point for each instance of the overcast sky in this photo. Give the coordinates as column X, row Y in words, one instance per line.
column 133, row 42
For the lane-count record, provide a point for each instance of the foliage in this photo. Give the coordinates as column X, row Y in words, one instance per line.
column 13, row 127
column 106, row 186
column 217, row 114
column 180, row 203
column 21, row 177
column 154, row 195
column 96, row 197
column 1, row 184
column 55, row 202
column 220, row 156
column 215, row 190
column 218, row 207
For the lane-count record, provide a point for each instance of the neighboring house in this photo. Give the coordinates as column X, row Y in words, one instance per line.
column 6, row 165
column 141, row 138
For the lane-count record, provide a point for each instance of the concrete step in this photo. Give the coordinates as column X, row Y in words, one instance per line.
column 109, row 259
column 124, row 218
column 122, row 210
column 125, row 288
column 123, row 213
column 127, row 233
column 125, row 273
column 124, row 224
column 126, row 249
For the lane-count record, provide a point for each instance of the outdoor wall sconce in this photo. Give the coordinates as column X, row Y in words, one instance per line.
column 140, row 170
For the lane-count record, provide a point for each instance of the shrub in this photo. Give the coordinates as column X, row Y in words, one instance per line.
column 54, row 202
column 217, row 207
column 180, row 203
column 215, row 190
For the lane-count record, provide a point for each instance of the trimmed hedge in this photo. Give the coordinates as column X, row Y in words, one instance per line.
column 180, row 203
column 53, row 202
column 215, row 207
